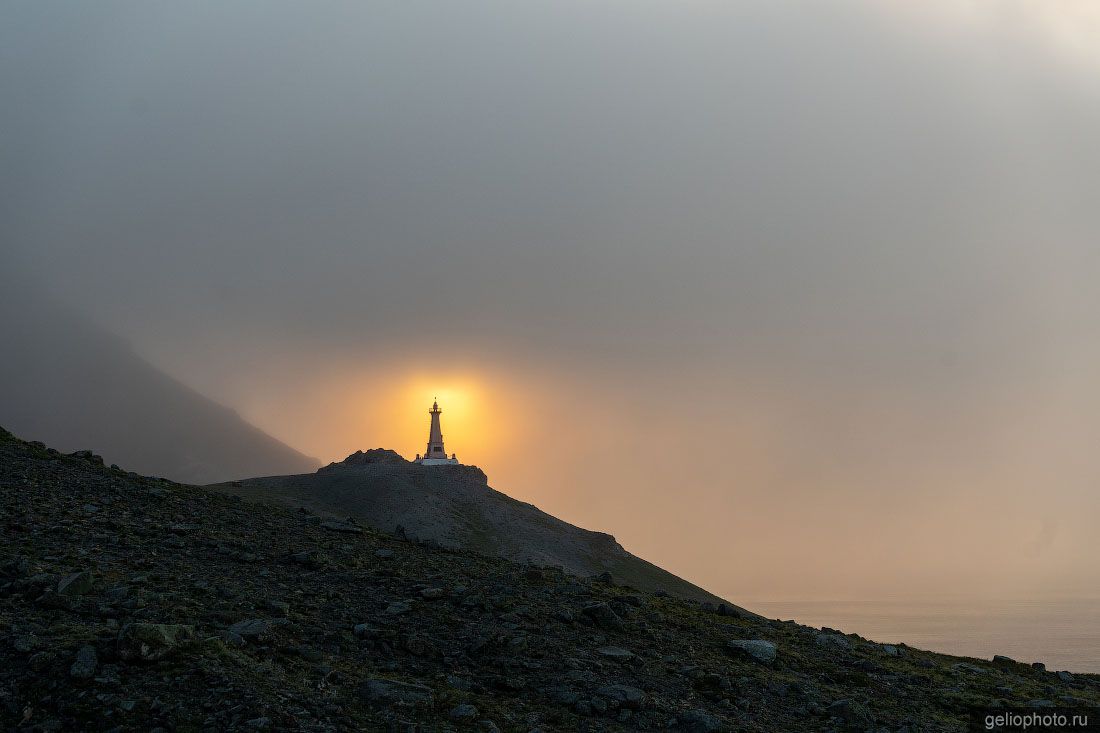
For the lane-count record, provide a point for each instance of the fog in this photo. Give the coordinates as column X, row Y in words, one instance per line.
column 796, row 299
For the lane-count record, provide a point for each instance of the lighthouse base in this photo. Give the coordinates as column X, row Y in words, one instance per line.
column 437, row 461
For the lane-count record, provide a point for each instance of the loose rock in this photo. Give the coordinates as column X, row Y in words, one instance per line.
column 345, row 527
column 614, row 652
column 624, row 695
column 757, row 649
column 76, row 584
column 853, row 714
column 463, row 713
column 85, row 665
column 699, row 721
column 151, row 642
column 602, row 615
column 392, row 691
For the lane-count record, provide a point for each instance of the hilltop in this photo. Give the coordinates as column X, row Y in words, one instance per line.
column 454, row 507
column 133, row 604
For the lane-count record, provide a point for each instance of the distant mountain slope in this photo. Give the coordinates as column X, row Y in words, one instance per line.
column 68, row 383
column 455, row 507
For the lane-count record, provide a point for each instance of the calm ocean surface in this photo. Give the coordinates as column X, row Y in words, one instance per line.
column 1064, row 633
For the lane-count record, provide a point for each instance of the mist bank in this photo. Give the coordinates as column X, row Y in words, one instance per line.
column 69, row 383
column 791, row 298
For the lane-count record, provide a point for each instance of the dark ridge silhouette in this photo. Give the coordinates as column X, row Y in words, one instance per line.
column 454, row 507
column 66, row 382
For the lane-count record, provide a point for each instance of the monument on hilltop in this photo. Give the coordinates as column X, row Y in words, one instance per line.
column 436, row 455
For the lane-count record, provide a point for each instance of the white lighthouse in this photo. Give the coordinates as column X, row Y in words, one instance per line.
column 435, row 455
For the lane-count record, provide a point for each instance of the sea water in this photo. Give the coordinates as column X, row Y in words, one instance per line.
column 1063, row 633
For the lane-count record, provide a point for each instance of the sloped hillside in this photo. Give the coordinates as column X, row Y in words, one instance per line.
column 135, row 604
column 66, row 382
column 454, row 507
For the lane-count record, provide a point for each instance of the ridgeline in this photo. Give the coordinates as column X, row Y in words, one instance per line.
column 454, row 507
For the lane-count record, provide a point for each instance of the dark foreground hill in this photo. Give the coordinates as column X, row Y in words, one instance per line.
column 65, row 381
column 454, row 507
column 135, row 604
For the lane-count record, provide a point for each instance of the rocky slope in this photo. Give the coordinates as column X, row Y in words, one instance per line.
column 135, row 604
column 65, row 381
column 454, row 507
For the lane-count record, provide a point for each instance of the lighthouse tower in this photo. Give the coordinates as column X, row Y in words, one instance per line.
column 435, row 455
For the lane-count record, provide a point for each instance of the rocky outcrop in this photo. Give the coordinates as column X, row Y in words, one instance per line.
column 365, row 458
column 454, row 507
column 151, row 642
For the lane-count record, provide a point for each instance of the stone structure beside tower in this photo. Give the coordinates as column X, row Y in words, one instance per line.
column 436, row 455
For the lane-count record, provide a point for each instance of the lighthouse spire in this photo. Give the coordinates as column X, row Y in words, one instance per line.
column 436, row 454
column 435, row 434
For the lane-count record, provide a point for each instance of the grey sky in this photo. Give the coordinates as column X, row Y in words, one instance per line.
column 862, row 236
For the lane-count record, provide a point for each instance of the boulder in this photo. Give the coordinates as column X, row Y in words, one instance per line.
column 692, row 672
column 87, row 455
column 854, row 715
column 85, row 665
column 76, row 584
column 338, row 526
column 279, row 609
column 833, row 641
column 625, row 695
column 16, row 567
column 463, row 713
column 561, row 695
column 383, row 691
column 24, row 643
column 602, row 615
column 253, row 629
column 968, row 668
column 757, row 649
column 698, row 721
column 149, row 642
